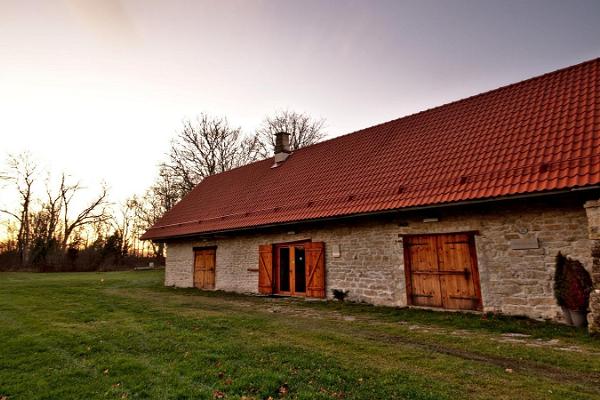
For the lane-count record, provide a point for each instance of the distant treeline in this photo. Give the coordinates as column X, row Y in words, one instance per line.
column 59, row 225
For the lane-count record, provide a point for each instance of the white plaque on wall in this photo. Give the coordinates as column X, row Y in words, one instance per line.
column 524, row 244
column 335, row 249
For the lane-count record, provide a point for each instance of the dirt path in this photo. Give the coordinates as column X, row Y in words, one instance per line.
column 509, row 364
column 295, row 307
column 298, row 308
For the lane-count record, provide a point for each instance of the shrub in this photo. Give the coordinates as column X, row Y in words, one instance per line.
column 572, row 284
column 340, row 294
column 560, row 287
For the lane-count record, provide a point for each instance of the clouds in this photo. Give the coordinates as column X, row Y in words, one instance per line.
column 121, row 75
column 106, row 20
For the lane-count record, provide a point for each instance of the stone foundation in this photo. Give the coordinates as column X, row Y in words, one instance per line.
column 370, row 264
column 593, row 214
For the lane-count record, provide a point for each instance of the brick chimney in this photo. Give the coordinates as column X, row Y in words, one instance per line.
column 282, row 147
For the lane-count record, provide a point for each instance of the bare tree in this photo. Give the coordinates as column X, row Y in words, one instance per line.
column 52, row 208
column 22, row 172
column 209, row 146
column 250, row 150
column 52, row 227
column 123, row 223
column 93, row 212
column 206, row 147
column 156, row 201
column 9, row 243
column 48, row 229
column 303, row 129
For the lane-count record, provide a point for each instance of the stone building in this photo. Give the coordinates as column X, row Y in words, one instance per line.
column 463, row 206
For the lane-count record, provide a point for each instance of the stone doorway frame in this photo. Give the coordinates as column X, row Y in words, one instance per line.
column 592, row 209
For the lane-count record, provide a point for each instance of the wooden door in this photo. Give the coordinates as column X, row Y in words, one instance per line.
column 441, row 271
column 290, row 269
column 459, row 278
column 204, row 268
column 299, row 269
column 283, row 270
column 424, row 279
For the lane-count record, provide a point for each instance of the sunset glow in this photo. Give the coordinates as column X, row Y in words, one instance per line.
column 98, row 88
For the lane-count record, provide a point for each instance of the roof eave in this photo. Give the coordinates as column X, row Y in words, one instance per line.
column 159, row 239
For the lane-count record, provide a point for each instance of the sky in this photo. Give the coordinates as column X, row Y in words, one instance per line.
column 99, row 87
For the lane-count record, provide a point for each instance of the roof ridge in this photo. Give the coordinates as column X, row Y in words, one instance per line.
column 238, row 167
column 461, row 100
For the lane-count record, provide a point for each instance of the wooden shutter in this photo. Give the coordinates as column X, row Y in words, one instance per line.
column 315, row 269
column 265, row 269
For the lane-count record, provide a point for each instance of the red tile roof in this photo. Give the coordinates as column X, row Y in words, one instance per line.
column 538, row 135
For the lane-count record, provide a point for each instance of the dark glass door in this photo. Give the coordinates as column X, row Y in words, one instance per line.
column 284, row 269
column 299, row 270
column 290, row 270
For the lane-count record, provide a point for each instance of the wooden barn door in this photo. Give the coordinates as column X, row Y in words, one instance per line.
column 424, row 281
column 459, row 277
column 441, row 271
column 204, row 268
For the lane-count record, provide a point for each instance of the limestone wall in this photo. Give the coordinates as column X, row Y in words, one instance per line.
column 371, row 266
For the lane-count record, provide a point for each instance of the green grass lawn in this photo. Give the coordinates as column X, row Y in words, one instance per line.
column 123, row 335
